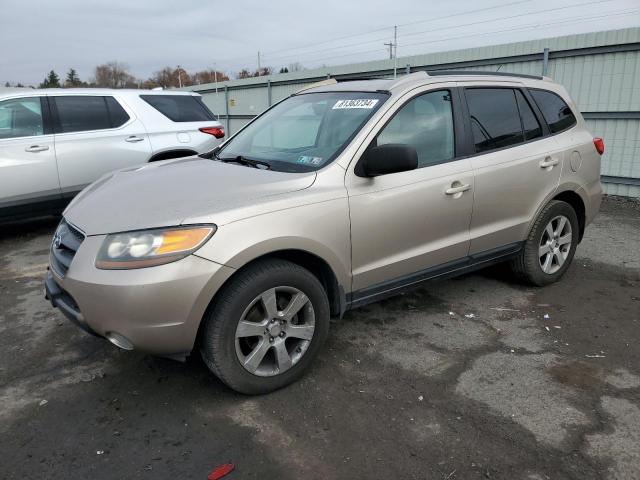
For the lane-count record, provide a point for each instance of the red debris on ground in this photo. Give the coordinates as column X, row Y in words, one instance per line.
column 220, row 471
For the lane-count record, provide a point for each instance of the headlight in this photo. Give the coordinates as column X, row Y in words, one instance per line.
column 147, row 248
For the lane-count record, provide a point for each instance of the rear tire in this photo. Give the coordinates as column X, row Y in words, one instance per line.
column 550, row 246
column 265, row 327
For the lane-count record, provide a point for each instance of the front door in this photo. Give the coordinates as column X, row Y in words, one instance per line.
column 404, row 224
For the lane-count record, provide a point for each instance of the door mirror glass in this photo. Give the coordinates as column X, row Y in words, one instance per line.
column 388, row 158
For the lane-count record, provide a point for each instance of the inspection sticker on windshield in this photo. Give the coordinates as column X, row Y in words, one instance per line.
column 356, row 103
column 305, row 159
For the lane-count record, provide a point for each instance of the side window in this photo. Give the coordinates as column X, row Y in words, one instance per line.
column 530, row 124
column 117, row 114
column 82, row 113
column 555, row 111
column 21, row 117
column 180, row 108
column 495, row 121
column 425, row 123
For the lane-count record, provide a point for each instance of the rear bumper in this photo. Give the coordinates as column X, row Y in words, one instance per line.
column 158, row 310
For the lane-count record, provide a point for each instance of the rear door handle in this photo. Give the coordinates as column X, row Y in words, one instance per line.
column 549, row 162
column 36, row 148
column 133, row 139
column 456, row 188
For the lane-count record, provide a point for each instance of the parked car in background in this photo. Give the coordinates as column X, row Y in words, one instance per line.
column 336, row 197
column 54, row 142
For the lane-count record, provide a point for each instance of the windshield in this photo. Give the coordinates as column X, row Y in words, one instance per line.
column 305, row 132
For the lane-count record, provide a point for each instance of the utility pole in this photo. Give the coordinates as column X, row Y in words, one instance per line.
column 390, row 45
column 258, row 61
column 395, row 50
column 215, row 76
column 179, row 77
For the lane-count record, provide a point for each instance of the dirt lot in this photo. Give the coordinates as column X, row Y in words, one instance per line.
column 476, row 377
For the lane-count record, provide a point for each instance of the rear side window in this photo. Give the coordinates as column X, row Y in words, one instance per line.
column 530, row 125
column 84, row 113
column 425, row 123
column 495, row 120
column 21, row 117
column 555, row 111
column 180, row 108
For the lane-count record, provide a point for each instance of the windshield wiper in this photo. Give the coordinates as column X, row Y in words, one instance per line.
column 246, row 161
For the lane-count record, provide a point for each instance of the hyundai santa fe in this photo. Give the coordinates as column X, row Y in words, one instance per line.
column 55, row 142
column 337, row 196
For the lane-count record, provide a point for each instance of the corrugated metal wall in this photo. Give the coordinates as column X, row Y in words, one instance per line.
column 601, row 70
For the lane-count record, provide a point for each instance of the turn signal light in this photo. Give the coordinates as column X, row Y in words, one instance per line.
column 217, row 132
column 599, row 144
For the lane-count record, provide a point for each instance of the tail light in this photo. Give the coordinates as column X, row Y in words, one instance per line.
column 217, row 132
column 599, row 144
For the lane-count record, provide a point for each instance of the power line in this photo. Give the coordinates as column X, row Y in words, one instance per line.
column 521, row 27
column 495, row 19
column 368, row 32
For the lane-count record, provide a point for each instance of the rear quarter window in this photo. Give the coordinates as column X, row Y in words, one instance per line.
column 555, row 111
column 180, row 108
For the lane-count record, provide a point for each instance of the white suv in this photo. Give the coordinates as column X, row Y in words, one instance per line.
column 54, row 142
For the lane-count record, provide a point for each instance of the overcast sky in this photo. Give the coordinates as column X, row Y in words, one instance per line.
column 38, row 35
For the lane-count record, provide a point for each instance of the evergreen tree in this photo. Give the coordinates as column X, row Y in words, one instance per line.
column 72, row 79
column 51, row 81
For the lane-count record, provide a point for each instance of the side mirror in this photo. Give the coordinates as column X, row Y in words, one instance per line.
column 389, row 158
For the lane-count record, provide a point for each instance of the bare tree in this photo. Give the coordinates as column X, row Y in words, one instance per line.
column 114, row 75
column 209, row 76
column 295, row 67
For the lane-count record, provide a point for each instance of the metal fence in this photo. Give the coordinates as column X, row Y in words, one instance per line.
column 601, row 70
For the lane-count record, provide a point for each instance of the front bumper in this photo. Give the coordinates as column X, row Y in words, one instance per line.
column 157, row 309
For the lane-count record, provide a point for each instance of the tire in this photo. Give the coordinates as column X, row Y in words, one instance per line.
column 226, row 349
column 532, row 265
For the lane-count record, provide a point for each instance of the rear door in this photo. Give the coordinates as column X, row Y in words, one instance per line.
column 405, row 224
column 94, row 135
column 28, row 172
column 516, row 163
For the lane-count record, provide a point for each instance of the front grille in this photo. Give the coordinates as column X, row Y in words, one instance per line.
column 64, row 246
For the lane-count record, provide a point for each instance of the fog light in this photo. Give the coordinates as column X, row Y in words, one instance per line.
column 119, row 341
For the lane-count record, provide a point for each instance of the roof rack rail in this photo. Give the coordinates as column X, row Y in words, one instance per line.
column 432, row 73
column 408, row 78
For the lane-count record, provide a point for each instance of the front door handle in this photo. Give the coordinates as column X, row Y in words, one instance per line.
column 549, row 163
column 36, row 148
column 457, row 189
column 133, row 139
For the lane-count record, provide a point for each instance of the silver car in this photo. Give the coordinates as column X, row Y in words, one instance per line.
column 54, row 142
column 338, row 196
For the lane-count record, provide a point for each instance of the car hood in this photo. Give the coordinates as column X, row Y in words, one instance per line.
column 168, row 193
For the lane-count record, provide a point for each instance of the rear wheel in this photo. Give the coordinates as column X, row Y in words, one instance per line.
column 266, row 327
column 550, row 247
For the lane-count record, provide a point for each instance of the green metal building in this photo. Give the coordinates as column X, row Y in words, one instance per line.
column 601, row 70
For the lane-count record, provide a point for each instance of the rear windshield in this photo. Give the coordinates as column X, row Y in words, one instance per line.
column 304, row 132
column 180, row 108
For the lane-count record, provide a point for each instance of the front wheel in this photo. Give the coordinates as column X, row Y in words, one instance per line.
column 550, row 247
column 266, row 327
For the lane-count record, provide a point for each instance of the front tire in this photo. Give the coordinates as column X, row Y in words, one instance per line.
column 550, row 247
column 265, row 327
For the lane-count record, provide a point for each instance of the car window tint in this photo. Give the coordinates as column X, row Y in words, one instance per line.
column 21, row 117
column 530, row 123
column 425, row 123
column 495, row 121
column 555, row 111
column 82, row 113
column 180, row 108
column 116, row 113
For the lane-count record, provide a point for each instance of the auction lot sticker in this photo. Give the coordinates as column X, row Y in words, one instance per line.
column 356, row 103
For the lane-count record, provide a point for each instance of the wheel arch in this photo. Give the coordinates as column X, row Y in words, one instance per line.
column 577, row 203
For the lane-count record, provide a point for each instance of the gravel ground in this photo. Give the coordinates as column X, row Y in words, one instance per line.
column 475, row 377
